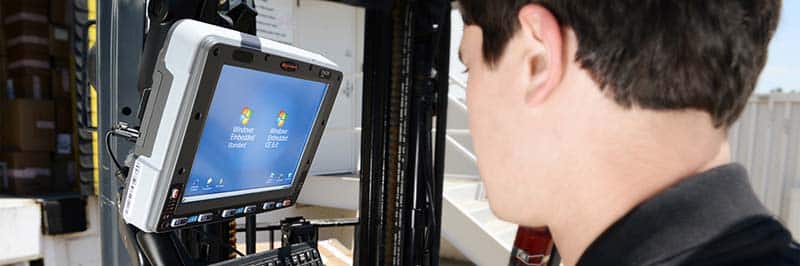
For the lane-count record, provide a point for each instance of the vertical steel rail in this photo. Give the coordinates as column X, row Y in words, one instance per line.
column 120, row 34
column 440, row 112
column 377, row 62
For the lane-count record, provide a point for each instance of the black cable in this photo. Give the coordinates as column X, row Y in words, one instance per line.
column 110, row 151
column 212, row 237
column 427, row 150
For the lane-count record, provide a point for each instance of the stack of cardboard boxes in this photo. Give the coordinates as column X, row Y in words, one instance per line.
column 36, row 110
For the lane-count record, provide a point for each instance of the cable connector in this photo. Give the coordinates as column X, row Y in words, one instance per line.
column 122, row 129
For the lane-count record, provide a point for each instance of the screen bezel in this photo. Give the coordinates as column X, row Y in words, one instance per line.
column 218, row 56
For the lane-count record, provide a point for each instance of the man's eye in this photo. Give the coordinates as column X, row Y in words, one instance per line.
column 466, row 71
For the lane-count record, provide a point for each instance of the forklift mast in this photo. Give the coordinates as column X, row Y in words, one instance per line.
column 406, row 70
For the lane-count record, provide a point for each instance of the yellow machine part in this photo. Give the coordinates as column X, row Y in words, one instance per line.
column 92, row 6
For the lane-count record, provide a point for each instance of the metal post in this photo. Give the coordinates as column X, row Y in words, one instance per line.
column 271, row 239
column 120, row 34
column 250, row 235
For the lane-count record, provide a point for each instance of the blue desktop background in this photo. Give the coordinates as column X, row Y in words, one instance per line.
column 217, row 168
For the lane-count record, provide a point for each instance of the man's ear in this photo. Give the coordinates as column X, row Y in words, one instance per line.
column 547, row 65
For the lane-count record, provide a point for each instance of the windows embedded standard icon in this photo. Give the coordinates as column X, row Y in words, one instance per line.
column 282, row 115
column 245, row 115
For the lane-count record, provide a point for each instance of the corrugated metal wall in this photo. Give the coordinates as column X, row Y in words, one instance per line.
column 767, row 141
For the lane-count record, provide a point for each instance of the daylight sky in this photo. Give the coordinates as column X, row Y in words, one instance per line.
column 782, row 69
column 783, row 65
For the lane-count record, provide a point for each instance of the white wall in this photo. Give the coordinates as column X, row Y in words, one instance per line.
column 766, row 140
column 335, row 31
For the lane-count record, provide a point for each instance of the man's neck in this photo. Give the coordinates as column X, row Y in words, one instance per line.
column 622, row 173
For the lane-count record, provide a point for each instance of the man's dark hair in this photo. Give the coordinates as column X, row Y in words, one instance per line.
column 654, row 54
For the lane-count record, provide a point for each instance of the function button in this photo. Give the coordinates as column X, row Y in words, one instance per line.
column 287, row 203
column 228, row 213
column 269, row 205
column 250, row 209
column 205, row 217
column 279, row 205
column 178, row 222
column 192, row 219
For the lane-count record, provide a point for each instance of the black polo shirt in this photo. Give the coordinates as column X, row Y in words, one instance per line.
column 713, row 218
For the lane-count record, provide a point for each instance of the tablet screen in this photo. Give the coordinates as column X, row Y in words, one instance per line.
column 255, row 133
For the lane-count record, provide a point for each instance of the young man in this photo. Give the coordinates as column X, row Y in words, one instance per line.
column 606, row 122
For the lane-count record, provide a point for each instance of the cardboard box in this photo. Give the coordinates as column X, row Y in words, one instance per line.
column 28, row 125
column 60, row 81
column 30, row 27
column 64, row 110
column 30, row 57
column 26, row 49
column 2, row 35
column 61, row 12
column 28, row 173
column 24, row 23
column 29, row 83
column 27, row 30
column 12, row 7
column 64, row 174
column 60, row 47
column 3, row 77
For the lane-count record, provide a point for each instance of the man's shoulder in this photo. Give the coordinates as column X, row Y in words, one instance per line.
column 713, row 218
column 755, row 241
column 792, row 255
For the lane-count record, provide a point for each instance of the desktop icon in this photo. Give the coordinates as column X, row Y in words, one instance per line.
column 209, row 181
column 282, row 118
column 245, row 115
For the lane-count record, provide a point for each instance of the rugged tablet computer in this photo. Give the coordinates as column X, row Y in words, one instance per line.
column 230, row 127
